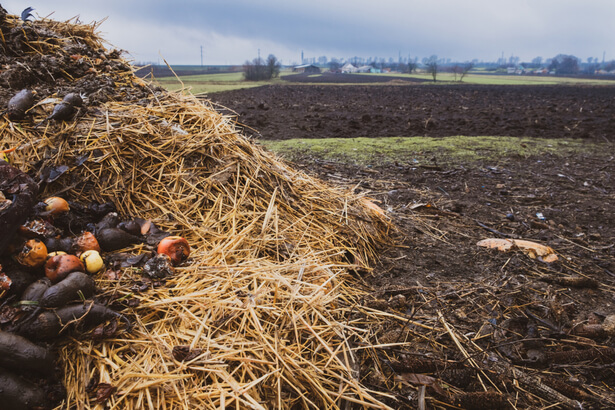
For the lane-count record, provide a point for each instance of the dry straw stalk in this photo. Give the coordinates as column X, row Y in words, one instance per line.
column 265, row 298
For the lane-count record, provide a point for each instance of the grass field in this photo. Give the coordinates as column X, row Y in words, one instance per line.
column 503, row 79
column 212, row 83
column 423, row 150
column 207, row 83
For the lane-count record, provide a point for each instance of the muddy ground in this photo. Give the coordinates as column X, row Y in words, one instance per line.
column 350, row 111
column 514, row 318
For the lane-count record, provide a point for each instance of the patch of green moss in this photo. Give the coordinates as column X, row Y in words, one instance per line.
column 425, row 150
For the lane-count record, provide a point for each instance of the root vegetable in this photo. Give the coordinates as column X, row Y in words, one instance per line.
column 58, row 244
column 112, row 239
column 19, row 104
column 74, row 99
column 35, row 291
column 20, row 279
column 21, row 190
column 109, row 221
column 17, row 393
column 21, row 355
column 132, row 227
column 176, row 247
column 58, row 267
column 75, row 286
column 48, row 325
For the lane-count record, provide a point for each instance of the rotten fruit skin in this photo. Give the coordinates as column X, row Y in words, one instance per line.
column 58, row 267
column 92, row 260
column 33, row 254
column 85, row 242
column 176, row 247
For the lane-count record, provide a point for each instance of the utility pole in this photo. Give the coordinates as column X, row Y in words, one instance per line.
column 259, row 54
column 201, row 56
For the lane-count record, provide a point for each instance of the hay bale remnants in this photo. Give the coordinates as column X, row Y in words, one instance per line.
column 261, row 316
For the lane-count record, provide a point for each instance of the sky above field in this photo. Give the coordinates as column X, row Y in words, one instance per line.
column 233, row 31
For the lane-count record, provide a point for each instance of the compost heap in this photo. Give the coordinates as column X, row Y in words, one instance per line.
column 261, row 315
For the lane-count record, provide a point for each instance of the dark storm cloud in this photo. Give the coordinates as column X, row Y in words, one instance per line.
column 232, row 31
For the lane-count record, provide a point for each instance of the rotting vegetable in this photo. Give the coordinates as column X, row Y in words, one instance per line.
column 21, row 355
column 19, row 104
column 21, row 190
column 35, row 291
column 75, row 286
column 112, row 239
column 49, row 324
column 18, row 393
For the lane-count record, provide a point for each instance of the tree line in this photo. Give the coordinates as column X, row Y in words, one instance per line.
column 261, row 70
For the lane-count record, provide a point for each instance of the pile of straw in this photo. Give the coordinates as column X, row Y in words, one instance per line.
column 264, row 303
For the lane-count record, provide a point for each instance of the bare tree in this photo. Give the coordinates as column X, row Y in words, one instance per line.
column 465, row 70
column 412, row 65
column 431, row 64
column 456, row 69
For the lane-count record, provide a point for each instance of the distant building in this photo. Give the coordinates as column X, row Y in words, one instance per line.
column 368, row 69
column 306, row 68
column 349, row 68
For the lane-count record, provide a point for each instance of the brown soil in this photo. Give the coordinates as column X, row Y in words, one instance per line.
column 509, row 311
column 325, row 111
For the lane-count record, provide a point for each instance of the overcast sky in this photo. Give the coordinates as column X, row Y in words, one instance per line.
column 232, row 31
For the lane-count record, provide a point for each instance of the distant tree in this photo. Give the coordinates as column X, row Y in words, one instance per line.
column 537, row 62
column 273, row 66
column 465, row 69
column 412, row 65
column 259, row 70
column 255, row 70
column 609, row 66
column 565, row 64
column 431, row 64
column 456, row 69
column 334, row 65
column 592, row 65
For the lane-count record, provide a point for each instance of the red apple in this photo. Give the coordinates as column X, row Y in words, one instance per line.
column 58, row 267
